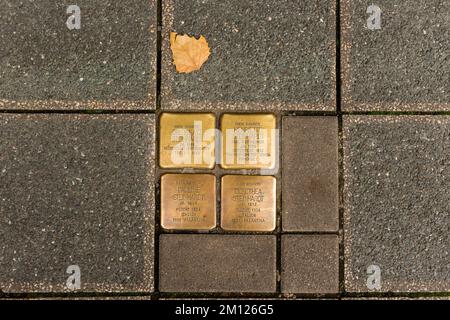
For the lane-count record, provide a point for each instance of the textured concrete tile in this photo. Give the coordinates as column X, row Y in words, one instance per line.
column 264, row 55
column 76, row 190
column 309, row 264
column 217, row 263
column 402, row 66
column 310, row 174
column 110, row 63
column 397, row 202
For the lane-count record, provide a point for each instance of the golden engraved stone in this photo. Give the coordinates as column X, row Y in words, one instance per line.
column 188, row 201
column 248, row 203
column 187, row 140
column 248, row 141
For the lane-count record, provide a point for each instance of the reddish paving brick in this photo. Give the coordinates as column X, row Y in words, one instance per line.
column 217, row 263
column 309, row 264
column 310, row 174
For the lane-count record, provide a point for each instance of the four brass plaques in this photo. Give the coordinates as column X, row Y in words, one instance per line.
column 245, row 141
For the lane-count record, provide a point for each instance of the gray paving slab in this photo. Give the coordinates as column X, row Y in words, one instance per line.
column 310, row 174
column 397, row 202
column 109, row 63
column 404, row 65
column 217, row 263
column 310, row 264
column 266, row 54
column 76, row 190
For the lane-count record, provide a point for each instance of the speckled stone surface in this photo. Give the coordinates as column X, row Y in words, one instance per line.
column 76, row 190
column 267, row 54
column 110, row 63
column 405, row 65
column 397, row 202
column 310, row 174
column 310, row 264
column 217, row 263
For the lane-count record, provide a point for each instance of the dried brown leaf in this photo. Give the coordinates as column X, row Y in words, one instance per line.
column 189, row 53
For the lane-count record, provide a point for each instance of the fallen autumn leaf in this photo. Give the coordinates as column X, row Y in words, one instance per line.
column 189, row 53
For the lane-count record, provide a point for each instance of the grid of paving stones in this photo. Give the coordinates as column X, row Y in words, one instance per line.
column 358, row 193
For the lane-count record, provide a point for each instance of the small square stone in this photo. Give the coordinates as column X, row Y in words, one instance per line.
column 248, row 203
column 187, row 140
column 76, row 198
column 249, row 141
column 217, row 263
column 188, row 201
column 396, row 200
column 265, row 54
column 108, row 63
column 310, row 264
column 310, row 174
column 400, row 66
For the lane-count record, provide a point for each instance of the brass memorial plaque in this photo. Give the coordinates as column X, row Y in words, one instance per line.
column 248, row 141
column 187, row 140
column 248, row 203
column 188, row 201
